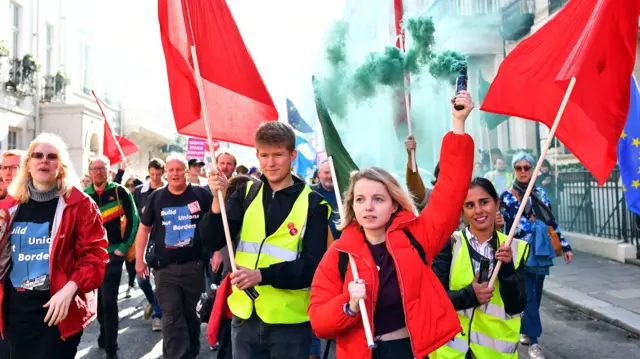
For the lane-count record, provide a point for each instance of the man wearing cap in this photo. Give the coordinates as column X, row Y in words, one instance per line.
column 195, row 172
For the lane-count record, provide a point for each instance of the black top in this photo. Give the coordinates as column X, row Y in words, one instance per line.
column 296, row 274
column 389, row 312
column 30, row 243
column 174, row 220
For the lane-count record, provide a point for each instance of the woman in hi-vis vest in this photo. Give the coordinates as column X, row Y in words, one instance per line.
column 490, row 317
column 409, row 312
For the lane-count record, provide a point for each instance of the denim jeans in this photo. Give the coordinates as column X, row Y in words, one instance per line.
column 145, row 286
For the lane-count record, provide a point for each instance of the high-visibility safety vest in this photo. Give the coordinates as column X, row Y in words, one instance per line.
column 487, row 330
column 256, row 250
column 491, row 176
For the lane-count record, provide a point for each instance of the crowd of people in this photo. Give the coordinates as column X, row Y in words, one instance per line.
column 413, row 264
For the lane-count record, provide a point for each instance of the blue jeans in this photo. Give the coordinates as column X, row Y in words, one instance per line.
column 145, row 286
column 531, row 324
column 316, row 345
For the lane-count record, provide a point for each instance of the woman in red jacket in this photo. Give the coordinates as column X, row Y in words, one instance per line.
column 52, row 255
column 409, row 311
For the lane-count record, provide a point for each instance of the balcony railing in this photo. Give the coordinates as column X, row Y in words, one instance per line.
column 441, row 9
column 53, row 89
column 21, row 81
column 555, row 5
column 517, row 19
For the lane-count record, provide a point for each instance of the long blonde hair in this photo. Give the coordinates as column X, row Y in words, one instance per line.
column 398, row 195
column 66, row 178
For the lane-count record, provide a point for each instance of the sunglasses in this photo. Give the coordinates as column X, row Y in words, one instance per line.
column 40, row 155
column 522, row 168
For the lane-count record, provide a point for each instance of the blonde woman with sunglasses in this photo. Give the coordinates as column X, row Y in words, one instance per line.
column 52, row 255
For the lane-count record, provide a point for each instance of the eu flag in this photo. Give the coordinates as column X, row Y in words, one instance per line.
column 629, row 152
column 295, row 120
column 306, row 159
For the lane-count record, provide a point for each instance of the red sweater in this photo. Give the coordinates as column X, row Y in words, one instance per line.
column 430, row 316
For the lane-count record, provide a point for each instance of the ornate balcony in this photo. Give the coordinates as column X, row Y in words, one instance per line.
column 517, row 19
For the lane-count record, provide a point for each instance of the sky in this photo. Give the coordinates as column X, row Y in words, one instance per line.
column 285, row 38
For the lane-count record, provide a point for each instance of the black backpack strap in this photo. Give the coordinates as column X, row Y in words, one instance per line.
column 417, row 246
column 343, row 262
column 327, row 349
column 252, row 193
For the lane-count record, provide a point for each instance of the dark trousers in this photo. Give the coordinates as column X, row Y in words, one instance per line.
column 4, row 349
column 254, row 339
column 29, row 337
column 108, row 305
column 178, row 288
column 224, row 339
column 531, row 323
column 131, row 271
column 393, row 349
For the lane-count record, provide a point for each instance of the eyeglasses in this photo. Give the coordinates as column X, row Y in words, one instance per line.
column 7, row 168
column 522, row 168
column 40, row 155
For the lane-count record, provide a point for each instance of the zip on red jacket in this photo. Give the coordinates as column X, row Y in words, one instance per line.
column 78, row 253
column 430, row 317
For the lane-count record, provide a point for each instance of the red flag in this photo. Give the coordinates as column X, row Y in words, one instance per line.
column 236, row 97
column 109, row 145
column 593, row 41
column 128, row 146
column 399, row 104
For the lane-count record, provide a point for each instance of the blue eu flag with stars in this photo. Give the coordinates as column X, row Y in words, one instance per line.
column 629, row 152
column 306, row 159
column 295, row 120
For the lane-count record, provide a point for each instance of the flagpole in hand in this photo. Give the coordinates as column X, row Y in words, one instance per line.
column 407, row 105
column 352, row 262
column 532, row 182
column 251, row 292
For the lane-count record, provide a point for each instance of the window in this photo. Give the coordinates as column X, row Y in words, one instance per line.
column 12, row 140
column 15, row 22
column 48, row 63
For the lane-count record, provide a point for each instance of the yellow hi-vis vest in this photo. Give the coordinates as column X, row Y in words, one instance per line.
column 487, row 330
column 256, row 250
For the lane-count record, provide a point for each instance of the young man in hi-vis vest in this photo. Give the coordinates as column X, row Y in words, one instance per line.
column 283, row 227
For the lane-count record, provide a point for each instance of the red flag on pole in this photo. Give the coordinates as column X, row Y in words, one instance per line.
column 593, row 41
column 128, row 146
column 236, row 96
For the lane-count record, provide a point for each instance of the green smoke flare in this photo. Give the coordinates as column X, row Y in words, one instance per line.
column 446, row 65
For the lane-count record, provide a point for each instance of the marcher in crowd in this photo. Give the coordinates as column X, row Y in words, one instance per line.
column 242, row 170
column 157, row 168
column 552, row 185
column 478, row 170
column 326, row 189
column 86, row 181
column 50, row 283
column 120, row 220
column 194, row 174
column 130, row 266
column 536, row 226
column 393, row 251
column 3, row 188
column 10, row 165
column 172, row 216
column 283, row 227
column 493, row 314
column 501, row 179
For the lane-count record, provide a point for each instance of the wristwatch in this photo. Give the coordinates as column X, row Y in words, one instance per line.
column 347, row 310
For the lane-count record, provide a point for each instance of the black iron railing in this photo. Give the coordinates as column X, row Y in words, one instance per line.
column 555, row 5
column 601, row 211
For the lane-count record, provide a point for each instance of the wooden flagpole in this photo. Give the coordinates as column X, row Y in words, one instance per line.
column 354, row 270
column 407, row 105
column 532, row 182
column 251, row 292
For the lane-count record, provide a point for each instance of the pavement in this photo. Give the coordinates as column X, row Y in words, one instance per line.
column 602, row 288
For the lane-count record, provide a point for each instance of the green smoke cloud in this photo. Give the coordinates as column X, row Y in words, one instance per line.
column 446, row 65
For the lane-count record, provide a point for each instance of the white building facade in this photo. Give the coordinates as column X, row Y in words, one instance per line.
column 72, row 61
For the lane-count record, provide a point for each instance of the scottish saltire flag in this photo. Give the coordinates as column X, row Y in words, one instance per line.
column 306, row 159
column 629, row 152
column 295, row 120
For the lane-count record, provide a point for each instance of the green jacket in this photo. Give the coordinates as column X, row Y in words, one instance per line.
column 112, row 210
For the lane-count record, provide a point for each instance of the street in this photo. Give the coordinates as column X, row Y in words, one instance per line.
column 567, row 334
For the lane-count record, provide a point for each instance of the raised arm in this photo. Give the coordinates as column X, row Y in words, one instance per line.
column 414, row 181
column 440, row 218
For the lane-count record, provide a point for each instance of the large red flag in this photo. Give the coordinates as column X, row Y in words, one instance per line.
column 128, row 146
column 593, row 41
column 236, row 97
column 109, row 144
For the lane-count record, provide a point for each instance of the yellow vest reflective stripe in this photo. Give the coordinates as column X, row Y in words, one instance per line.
column 487, row 330
column 255, row 250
